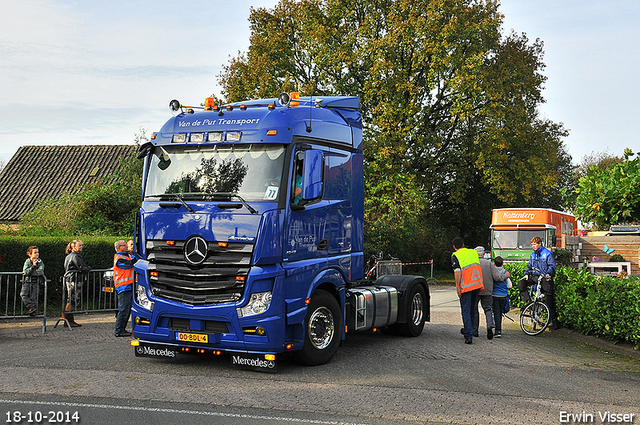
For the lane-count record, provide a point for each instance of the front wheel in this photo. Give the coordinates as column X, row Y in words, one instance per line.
column 534, row 319
column 323, row 326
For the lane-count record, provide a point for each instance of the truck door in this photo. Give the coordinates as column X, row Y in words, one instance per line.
column 308, row 222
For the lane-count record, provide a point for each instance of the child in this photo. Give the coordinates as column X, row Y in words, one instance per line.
column 33, row 272
column 500, row 298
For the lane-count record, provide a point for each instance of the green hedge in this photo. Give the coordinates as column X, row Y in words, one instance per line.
column 97, row 252
column 593, row 305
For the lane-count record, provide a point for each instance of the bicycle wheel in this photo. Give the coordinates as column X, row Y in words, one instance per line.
column 534, row 319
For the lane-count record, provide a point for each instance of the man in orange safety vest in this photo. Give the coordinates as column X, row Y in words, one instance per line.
column 468, row 274
column 123, row 262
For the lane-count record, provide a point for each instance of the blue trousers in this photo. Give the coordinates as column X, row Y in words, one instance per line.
column 125, row 300
column 469, row 307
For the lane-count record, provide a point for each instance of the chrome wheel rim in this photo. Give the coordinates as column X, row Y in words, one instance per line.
column 321, row 328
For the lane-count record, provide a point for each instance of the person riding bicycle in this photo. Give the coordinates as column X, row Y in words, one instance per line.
column 541, row 262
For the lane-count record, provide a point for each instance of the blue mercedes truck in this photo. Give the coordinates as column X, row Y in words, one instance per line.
column 250, row 235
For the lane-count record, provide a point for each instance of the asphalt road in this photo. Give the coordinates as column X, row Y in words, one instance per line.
column 373, row 379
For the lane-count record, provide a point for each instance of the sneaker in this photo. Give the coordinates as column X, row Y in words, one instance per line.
column 31, row 311
column 468, row 341
column 475, row 333
column 489, row 333
column 497, row 334
column 123, row 334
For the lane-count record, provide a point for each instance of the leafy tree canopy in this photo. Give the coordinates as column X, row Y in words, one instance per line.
column 611, row 195
column 449, row 104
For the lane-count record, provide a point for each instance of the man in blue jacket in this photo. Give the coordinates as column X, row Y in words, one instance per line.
column 541, row 262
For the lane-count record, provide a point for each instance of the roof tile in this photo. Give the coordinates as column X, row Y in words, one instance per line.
column 38, row 172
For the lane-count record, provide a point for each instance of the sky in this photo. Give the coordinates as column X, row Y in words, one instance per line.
column 97, row 72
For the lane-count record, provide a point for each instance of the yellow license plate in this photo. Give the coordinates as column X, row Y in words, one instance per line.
column 187, row 337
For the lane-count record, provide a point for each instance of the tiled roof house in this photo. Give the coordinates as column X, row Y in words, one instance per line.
column 39, row 172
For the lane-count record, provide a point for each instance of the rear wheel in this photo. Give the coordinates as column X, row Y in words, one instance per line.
column 323, row 327
column 414, row 313
column 534, row 319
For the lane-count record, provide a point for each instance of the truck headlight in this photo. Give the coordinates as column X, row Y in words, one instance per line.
column 258, row 303
column 142, row 299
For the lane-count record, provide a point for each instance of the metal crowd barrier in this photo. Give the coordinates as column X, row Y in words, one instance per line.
column 11, row 306
column 96, row 295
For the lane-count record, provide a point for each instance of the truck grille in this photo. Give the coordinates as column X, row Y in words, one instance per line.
column 213, row 281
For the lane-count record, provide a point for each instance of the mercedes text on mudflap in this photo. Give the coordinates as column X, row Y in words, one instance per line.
column 250, row 235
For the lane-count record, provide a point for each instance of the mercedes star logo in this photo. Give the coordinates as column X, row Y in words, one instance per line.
column 195, row 250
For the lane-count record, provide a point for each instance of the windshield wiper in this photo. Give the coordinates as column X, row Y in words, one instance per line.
column 176, row 196
column 249, row 207
column 235, row 195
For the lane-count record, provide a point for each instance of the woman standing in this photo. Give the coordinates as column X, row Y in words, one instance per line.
column 75, row 274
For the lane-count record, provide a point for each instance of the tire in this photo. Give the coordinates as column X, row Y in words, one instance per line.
column 414, row 313
column 323, row 330
column 534, row 319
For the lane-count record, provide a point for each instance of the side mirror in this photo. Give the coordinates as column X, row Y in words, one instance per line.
column 145, row 149
column 312, row 173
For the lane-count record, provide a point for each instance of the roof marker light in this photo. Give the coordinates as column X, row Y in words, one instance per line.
column 229, row 107
column 243, row 107
column 233, row 136
column 215, row 136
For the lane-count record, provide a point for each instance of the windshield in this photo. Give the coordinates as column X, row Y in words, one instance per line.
column 250, row 171
column 514, row 239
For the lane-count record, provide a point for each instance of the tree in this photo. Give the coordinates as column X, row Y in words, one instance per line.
column 611, row 195
column 449, row 106
column 601, row 160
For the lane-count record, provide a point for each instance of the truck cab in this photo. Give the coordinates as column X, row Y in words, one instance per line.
column 250, row 232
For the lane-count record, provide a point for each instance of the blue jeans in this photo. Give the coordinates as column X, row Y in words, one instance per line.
column 469, row 307
column 125, row 300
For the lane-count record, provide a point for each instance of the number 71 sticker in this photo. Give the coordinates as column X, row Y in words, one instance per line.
column 271, row 194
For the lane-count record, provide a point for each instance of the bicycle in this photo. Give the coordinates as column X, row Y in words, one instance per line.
column 535, row 316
